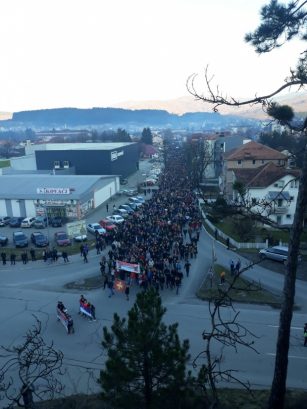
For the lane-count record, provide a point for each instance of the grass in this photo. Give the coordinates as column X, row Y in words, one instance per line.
column 5, row 163
column 226, row 226
column 244, row 291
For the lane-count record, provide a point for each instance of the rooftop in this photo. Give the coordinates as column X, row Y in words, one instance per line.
column 26, row 186
column 82, row 146
column 263, row 176
column 254, row 150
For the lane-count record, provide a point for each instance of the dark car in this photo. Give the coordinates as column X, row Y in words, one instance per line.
column 4, row 220
column 3, row 240
column 127, row 208
column 40, row 222
column 39, row 239
column 20, row 239
column 123, row 181
column 15, row 221
column 61, row 238
column 56, row 222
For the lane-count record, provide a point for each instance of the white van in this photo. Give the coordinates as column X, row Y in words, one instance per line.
column 28, row 222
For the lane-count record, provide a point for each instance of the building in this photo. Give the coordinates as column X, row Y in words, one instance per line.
column 250, row 155
column 67, row 196
column 81, row 158
column 272, row 188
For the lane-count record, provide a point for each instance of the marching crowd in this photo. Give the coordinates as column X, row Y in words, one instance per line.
column 161, row 236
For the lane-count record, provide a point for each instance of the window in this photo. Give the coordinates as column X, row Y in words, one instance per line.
column 254, row 162
column 288, row 216
column 262, row 161
column 66, row 164
column 56, row 164
column 239, row 162
column 294, row 183
column 279, row 202
column 291, row 197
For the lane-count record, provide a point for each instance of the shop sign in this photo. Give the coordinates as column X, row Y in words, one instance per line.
column 53, row 190
column 116, row 154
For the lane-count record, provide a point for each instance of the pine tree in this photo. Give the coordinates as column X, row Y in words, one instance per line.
column 146, row 136
column 146, row 361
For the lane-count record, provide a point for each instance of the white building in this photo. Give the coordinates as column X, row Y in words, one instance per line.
column 273, row 189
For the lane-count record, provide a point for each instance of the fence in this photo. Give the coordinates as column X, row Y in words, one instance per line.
column 233, row 242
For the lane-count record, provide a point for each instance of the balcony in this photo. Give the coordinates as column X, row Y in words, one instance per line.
column 280, row 209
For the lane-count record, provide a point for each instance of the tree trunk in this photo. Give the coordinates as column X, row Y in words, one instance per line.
column 278, row 388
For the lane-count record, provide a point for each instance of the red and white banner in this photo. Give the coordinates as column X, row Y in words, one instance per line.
column 131, row 268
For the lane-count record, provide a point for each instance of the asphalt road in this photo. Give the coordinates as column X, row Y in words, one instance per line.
column 36, row 287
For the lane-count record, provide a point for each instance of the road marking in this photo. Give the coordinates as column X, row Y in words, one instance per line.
column 289, row 356
column 277, row 326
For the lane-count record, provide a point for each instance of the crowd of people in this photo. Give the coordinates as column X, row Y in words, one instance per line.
column 161, row 236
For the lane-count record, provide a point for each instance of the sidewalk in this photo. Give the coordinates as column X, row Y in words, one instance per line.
column 270, row 280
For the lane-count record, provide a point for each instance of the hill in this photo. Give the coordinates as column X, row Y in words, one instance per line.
column 118, row 117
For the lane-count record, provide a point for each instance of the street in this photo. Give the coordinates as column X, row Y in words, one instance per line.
column 35, row 288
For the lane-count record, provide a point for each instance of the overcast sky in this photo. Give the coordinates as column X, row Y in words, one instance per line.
column 93, row 53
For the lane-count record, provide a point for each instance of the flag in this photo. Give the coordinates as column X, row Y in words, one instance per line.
column 119, row 285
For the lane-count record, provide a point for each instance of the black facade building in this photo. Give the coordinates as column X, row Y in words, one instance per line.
column 88, row 158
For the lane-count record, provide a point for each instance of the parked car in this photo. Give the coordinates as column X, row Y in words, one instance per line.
column 107, row 224
column 15, row 221
column 135, row 201
column 277, row 253
column 20, row 239
column 150, row 181
column 3, row 241
column 39, row 239
column 131, row 192
column 56, row 222
column 95, row 227
column 140, row 199
column 27, row 222
column 121, row 212
column 117, row 219
column 127, row 208
column 40, row 222
column 80, row 238
column 61, row 238
column 4, row 221
column 123, row 181
column 133, row 205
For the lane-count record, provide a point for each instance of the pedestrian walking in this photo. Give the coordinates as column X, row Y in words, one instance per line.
column 13, row 259
column 210, row 275
column 3, row 257
column 127, row 291
column 232, row 268
column 187, row 266
column 65, row 256
column 227, row 243
column 110, row 287
column 85, row 252
column 222, row 277
column 32, row 254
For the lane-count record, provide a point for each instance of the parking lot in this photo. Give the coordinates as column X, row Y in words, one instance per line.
column 135, row 180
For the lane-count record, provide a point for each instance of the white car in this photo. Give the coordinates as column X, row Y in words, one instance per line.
column 28, row 222
column 121, row 212
column 95, row 227
column 116, row 218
